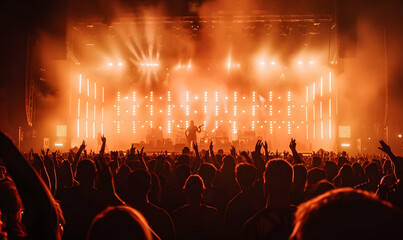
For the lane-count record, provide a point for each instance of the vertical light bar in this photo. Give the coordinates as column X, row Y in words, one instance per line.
column 321, row 129
column 102, row 113
column 205, row 109
column 93, row 130
column 307, row 132
column 86, row 110
column 151, row 110
column 118, row 127
column 88, row 87
column 306, row 113
column 216, row 124
column 313, row 112
column 234, row 127
column 271, row 96
column 234, row 110
column 253, row 125
column 330, row 82
column 118, row 96
column 134, row 110
column 289, row 97
column 253, row 110
column 216, row 97
column 78, row 127
column 289, row 127
column 169, row 110
column 205, row 96
column 134, row 96
column 187, row 110
column 205, row 123
column 134, row 126
column 330, row 128
column 307, row 93
column 187, row 96
column 78, row 107
column 79, row 85
column 235, row 96
column 271, row 110
column 313, row 91
column 330, row 108
column 216, row 110
column 169, row 96
column 321, row 86
column 151, row 124
column 314, row 136
column 95, row 90
column 271, row 127
column 86, row 128
column 103, row 94
column 187, row 124
column 253, row 96
column 320, row 110
column 102, row 129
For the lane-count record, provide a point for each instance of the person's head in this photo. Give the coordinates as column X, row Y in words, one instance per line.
column 347, row 213
column 330, row 169
column 138, row 184
column 191, row 123
column 207, row 172
column 86, row 173
column 315, row 175
column 323, row 186
column 184, row 159
column 357, row 169
column 194, row 188
column 346, row 174
column 228, row 164
column 278, row 177
column 11, row 209
column 120, row 223
column 185, row 151
column 316, row 162
column 300, row 175
column 245, row 175
column 387, row 167
column 373, row 172
column 182, row 172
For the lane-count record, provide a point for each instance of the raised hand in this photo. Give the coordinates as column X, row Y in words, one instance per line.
column 266, row 148
column 258, row 146
column 233, row 151
column 293, row 144
column 132, row 149
column 196, row 148
column 384, row 147
column 211, row 146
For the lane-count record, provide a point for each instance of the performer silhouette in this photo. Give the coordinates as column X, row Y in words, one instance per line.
column 191, row 133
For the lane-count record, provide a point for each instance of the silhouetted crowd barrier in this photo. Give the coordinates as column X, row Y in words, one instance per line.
column 199, row 194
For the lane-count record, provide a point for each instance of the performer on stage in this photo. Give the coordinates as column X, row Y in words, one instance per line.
column 191, row 132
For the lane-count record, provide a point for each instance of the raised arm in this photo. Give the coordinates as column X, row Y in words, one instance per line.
column 295, row 154
column 77, row 156
column 213, row 158
column 36, row 197
column 398, row 167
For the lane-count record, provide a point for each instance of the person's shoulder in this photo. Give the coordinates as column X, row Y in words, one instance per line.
column 159, row 210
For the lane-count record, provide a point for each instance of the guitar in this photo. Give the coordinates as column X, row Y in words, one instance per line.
column 190, row 137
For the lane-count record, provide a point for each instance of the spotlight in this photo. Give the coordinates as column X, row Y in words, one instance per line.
column 110, row 64
column 400, row 135
column 262, row 63
column 300, row 62
column 120, row 64
column 273, row 63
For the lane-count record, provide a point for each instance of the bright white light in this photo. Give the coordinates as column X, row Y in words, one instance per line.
column 262, row 63
column 311, row 62
column 58, row 144
column 300, row 62
column 110, row 64
column 120, row 64
column 273, row 63
column 345, row 144
column 400, row 135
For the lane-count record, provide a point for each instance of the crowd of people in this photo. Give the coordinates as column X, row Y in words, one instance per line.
column 199, row 194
